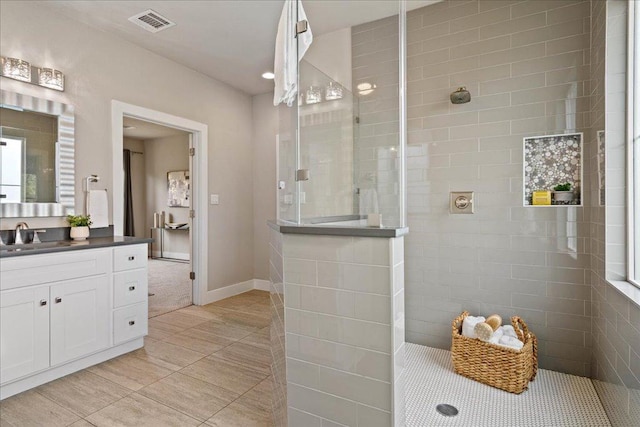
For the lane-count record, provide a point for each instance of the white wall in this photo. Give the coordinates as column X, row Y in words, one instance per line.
column 162, row 155
column 265, row 128
column 99, row 68
column 138, row 186
column 331, row 54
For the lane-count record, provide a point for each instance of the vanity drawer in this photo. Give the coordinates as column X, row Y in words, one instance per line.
column 129, row 287
column 129, row 257
column 129, row 323
column 46, row 268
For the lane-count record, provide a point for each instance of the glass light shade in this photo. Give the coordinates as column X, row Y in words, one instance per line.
column 16, row 69
column 333, row 91
column 313, row 95
column 53, row 79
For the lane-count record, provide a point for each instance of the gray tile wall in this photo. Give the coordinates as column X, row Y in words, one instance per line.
column 278, row 364
column 344, row 330
column 616, row 320
column 375, row 57
column 526, row 64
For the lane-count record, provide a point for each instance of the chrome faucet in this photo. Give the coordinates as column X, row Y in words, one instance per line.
column 17, row 240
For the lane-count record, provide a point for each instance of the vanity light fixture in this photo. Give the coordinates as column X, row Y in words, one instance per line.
column 333, row 91
column 16, row 69
column 268, row 75
column 53, row 79
column 19, row 69
column 313, row 95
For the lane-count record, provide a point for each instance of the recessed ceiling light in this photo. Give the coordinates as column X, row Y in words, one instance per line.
column 268, row 75
column 365, row 88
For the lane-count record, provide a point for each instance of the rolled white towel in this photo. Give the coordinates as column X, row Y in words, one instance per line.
column 497, row 335
column 510, row 342
column 509, row 331
column 469, row 323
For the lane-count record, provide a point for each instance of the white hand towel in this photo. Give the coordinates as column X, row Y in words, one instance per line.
column 497, row 335
column 509, row 331
column 469, row 323
column 368, row 201
column 285, row 66
column 98, row 208
column 510, row 342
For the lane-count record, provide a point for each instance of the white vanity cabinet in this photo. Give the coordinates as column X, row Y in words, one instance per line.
column 79, row 322
column 130, row 293
column 24, row 332
column 63, row 311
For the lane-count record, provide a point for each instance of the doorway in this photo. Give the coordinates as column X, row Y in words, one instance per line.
column 157, row 202
column 185, row 218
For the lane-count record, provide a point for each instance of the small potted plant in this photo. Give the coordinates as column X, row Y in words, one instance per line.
column 79, row 226
column 562, row 194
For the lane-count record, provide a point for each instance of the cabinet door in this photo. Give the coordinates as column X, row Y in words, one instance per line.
column 24, row 332
column 80, row 313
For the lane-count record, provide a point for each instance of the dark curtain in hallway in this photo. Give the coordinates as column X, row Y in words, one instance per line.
column 128, row 197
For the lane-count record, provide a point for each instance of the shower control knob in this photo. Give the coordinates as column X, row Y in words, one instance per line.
column 462, row 202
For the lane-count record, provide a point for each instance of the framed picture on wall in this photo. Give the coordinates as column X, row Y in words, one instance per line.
column 178, row 189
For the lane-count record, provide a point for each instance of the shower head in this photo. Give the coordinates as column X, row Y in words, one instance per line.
column 460, row 96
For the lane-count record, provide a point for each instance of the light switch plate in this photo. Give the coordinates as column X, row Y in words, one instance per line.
column 215, row 199
column 461, row 202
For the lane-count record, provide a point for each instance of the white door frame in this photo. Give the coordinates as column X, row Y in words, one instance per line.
column 199, row 178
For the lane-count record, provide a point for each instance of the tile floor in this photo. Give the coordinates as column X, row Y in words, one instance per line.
column 553, row 398
column 200, row 366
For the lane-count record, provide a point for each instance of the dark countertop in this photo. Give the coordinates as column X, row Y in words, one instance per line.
column 68, row 245
column 337, row 230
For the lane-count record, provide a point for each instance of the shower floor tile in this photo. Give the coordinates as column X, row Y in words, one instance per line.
column 553, row 399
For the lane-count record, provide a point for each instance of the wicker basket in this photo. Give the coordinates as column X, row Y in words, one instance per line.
column 504, row 368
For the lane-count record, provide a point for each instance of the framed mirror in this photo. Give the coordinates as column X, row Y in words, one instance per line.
column 37, row 159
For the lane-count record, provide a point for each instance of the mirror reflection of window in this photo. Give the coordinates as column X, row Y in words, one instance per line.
column 29, row 156
column 12, row 165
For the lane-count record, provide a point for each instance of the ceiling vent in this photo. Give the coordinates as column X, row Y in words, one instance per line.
column 151, row 21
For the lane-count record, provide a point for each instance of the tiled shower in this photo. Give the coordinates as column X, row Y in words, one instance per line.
column 533, row 68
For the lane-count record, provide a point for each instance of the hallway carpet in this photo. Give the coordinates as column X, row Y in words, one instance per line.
column 169, row 286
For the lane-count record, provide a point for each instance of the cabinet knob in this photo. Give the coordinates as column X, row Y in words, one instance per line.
column 132, row 288
column 132, row 322
column 131, row 258
column 43, row 302
column 58, row 300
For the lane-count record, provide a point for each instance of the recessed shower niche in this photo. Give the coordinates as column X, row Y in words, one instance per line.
column 551, row 161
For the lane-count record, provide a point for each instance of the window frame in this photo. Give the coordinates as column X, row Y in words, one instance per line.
column 633, row 145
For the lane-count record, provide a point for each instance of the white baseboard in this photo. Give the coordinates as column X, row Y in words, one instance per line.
column 261, row 285
column 235, row 289
column 174, row 255
column 227, row 291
